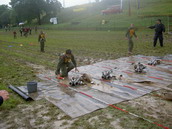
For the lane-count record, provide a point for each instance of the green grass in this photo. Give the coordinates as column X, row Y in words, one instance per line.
column 15, row 73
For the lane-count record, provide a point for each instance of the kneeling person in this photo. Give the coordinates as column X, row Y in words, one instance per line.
column 66, row 64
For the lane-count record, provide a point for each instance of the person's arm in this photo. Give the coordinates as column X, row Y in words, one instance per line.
column 60, row 63
column 135, row 34
column 151, row 27
column 74, row 61
column 127, row 33
column 1, row 100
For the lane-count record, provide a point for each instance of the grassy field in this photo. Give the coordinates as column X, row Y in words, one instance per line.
column 15, row 54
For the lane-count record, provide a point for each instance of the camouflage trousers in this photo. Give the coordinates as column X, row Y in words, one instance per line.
column 42, row 46
column 66, row 68
column 130, row 44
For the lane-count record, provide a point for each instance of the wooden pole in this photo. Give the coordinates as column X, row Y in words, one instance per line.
column 138, row 4
column 129, row 8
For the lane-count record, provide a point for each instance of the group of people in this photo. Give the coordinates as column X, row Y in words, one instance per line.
column 24, row 31
column 67, row 60
column 159, row 29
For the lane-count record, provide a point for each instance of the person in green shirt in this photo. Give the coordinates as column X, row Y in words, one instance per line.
column 66, row 64
column 129, row 35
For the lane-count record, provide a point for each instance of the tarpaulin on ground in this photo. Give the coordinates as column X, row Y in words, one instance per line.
column 132, row 85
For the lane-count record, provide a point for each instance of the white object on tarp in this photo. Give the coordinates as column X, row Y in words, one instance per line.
column 53, row 20
column 21, row 23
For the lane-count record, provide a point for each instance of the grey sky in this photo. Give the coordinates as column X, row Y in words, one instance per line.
column 68, row 3
column 4, row 1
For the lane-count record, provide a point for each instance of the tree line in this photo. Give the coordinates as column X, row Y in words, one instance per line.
column 28, row 10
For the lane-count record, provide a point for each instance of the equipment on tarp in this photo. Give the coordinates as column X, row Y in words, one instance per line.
column 154, row 62
column 107, row 75
column 19, row 92
column 87, row 78
column 74, row 81
column 32, row 87
column 139, row 68
column 81, row 80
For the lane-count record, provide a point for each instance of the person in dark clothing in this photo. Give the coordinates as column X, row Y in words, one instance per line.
column 21, row 32
column 66, row 64
column 4, row 95
column 159, row 29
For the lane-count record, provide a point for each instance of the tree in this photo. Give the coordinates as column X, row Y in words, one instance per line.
column 4, row 15
column 31, row 9
column 53, row 7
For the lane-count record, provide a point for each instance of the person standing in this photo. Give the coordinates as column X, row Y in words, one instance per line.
column 66, row 64
column 159, row 29
column 21, row 31
column 30, row 30
column 4, row 95
column 25, row 32
column 15, row 34
column 129, row 35
column 42, row 40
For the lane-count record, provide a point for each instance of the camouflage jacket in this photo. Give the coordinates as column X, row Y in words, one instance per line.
column 63, row 60
column 41, row 38
column 130, row 33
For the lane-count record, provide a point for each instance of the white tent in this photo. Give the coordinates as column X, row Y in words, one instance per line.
column 53, row 20
column 21, row 23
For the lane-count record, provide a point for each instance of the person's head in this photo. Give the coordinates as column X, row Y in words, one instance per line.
column 158, row 21
column 68, row 52
column 131, row 25
column 41, row 32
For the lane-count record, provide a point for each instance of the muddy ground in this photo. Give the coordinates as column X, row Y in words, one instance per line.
column 42, row 114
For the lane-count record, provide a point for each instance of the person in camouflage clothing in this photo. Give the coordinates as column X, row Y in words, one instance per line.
column 129, row 35
column 66, row 64
column 42, row 40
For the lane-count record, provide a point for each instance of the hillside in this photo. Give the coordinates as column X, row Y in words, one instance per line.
column 89, row 16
